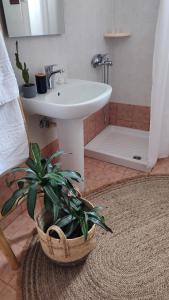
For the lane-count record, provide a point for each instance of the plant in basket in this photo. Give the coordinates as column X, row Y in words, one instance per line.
column 66, row 223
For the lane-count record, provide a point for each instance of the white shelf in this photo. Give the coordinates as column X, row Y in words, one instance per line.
column 117, row 34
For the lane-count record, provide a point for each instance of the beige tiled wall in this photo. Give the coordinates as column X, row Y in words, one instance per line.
column 96, row 123
column 127, row 115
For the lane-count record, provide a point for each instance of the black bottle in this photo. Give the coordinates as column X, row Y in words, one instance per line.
column 41, row 83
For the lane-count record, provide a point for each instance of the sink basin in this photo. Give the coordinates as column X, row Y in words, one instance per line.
column 70, row 103
column 75, row 99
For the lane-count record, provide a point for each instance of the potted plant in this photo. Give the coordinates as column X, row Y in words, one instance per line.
column 28, row 89
column 66, row 224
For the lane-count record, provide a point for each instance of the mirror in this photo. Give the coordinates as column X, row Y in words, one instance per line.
column 34, row 17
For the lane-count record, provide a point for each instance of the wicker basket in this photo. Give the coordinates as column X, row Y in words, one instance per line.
column 65, row 251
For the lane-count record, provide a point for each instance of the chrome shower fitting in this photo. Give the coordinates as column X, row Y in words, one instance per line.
column 102, row 60
column 97, row 60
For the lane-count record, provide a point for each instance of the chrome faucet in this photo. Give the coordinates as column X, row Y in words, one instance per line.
column 49, row 70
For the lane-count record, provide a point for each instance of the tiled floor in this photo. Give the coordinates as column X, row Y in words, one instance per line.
column 97, row 174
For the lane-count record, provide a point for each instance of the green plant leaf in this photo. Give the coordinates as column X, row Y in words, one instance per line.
column 76, row 201
column 65, row 210
column 31, row 199
column 75, row 204
column 84, row 226
column 46, row 168
column 20, row 66
column 98, row 222
column 96, row 215
column 97, row 209
column 26, row 170
column 56, row 167
column 62, row 222
column 56, row 178
column 71, row 229
column 71, row 175
column 71, row 189
column 13, row 200
column 56, row 210
column 31, row 176
column 66, row 201
column 26, row 180
column 31, row 164
column 54, row 155
column 17, row 49
column 52, row 195
column 36, row 157
column 18, row 63
column 49, row 168
column 48, row 203
column 25, row 74
column 86, row 217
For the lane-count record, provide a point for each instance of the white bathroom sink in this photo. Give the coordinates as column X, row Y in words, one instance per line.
column 70, row 103
column 75, row 99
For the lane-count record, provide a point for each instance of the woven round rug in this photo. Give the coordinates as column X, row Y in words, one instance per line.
column 131, row 263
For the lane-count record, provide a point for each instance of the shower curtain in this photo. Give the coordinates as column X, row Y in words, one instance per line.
column 159, row 125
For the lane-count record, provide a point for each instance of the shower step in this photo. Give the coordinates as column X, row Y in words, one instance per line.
column 122, row 146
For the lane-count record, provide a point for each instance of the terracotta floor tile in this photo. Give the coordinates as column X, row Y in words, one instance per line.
column 104, row 173
column 6, row 292
column 162, row 167
column 6, row 273
column 20, row 229
column 2, row 286
column 11, row 217
column 14, row 282
column 17, row 233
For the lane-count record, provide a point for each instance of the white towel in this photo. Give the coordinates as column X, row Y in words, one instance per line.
column 13, row 138
column 8, row 84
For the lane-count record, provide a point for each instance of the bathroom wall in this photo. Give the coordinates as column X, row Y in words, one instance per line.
column 86, row 22
column 132, row 57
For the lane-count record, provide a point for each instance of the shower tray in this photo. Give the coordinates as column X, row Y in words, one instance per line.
column 122, row 146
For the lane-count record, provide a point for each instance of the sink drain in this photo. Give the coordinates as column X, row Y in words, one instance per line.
column 137, row 157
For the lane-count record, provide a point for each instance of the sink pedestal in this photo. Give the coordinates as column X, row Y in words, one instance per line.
column 70, row 104
column 71, row 140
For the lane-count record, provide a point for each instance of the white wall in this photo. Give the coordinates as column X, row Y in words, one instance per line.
column 86, row 21
column 132, row 57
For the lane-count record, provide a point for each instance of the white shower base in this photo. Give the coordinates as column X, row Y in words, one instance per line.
column 119, row 145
